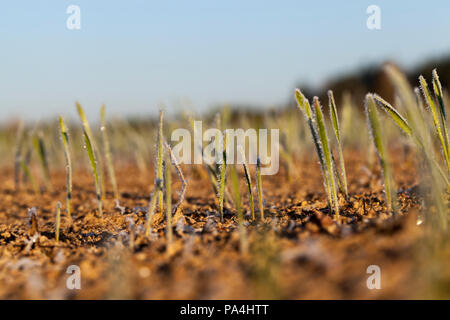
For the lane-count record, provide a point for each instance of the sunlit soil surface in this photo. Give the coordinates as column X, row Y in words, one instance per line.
column 298, row 252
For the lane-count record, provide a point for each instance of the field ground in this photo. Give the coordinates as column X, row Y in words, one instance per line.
column 297, row 252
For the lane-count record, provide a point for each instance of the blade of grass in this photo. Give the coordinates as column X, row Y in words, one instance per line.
column 27, row 159
column 420, row 105
column 39, row 147
column 240, row 217
column 437, row 88
column 66, row 144
column 259, row 188
column 168, row 187
column 432, row 106
column 337, row 175
column 212, row 174
column 374, row 125
column 107, row 145
column 305, row 108
column 337, row 134
column 395, row 115
column 152, row 207
column 417, row 136
column 327, row 153
column 217, row 142
column 93, row 161
column 248, row 181
column 180, row 176
column 223, row 170
column 435, row 196
column 58, row 220
column 88, row 130
column 159, row 160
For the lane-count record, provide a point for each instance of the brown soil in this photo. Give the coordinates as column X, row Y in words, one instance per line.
column 297, row 252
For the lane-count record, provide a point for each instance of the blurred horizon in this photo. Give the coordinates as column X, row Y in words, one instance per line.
column 136, row 56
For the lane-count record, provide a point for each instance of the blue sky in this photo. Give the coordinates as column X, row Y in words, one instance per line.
column 134, row 55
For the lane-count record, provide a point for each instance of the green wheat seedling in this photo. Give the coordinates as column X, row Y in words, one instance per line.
column 180, row 174
column 87, row 129
column 168, row 188
column 26, row 170
column 401, row 122
column 419, row 135
column 68, row 158
column 217, row 142
column 152, row 207
column 18, row 154
column 212, row 171
column 84, row 120
column 222, row 178
column 374, row 125
column 327, row 153
column 93, row 161
column 237, row 201
column 39, row 147
column 213, row 175
column 248, row 180
column 27, row 158
column 437, row 88
column 259, row 188
column 214, row 178
column 216, row 171
column 159, row 160
column 108, row 155
column 158, row 189
column 337, row 134
column 422, row 115
column 305, row 108
column 58, row 220
column 437, row 118
column 417, row 122
column 424, row 118
column 337, row 175
column 434, row 174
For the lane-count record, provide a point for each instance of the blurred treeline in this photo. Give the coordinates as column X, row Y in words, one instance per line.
column 351, row 85
column 372, row 79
